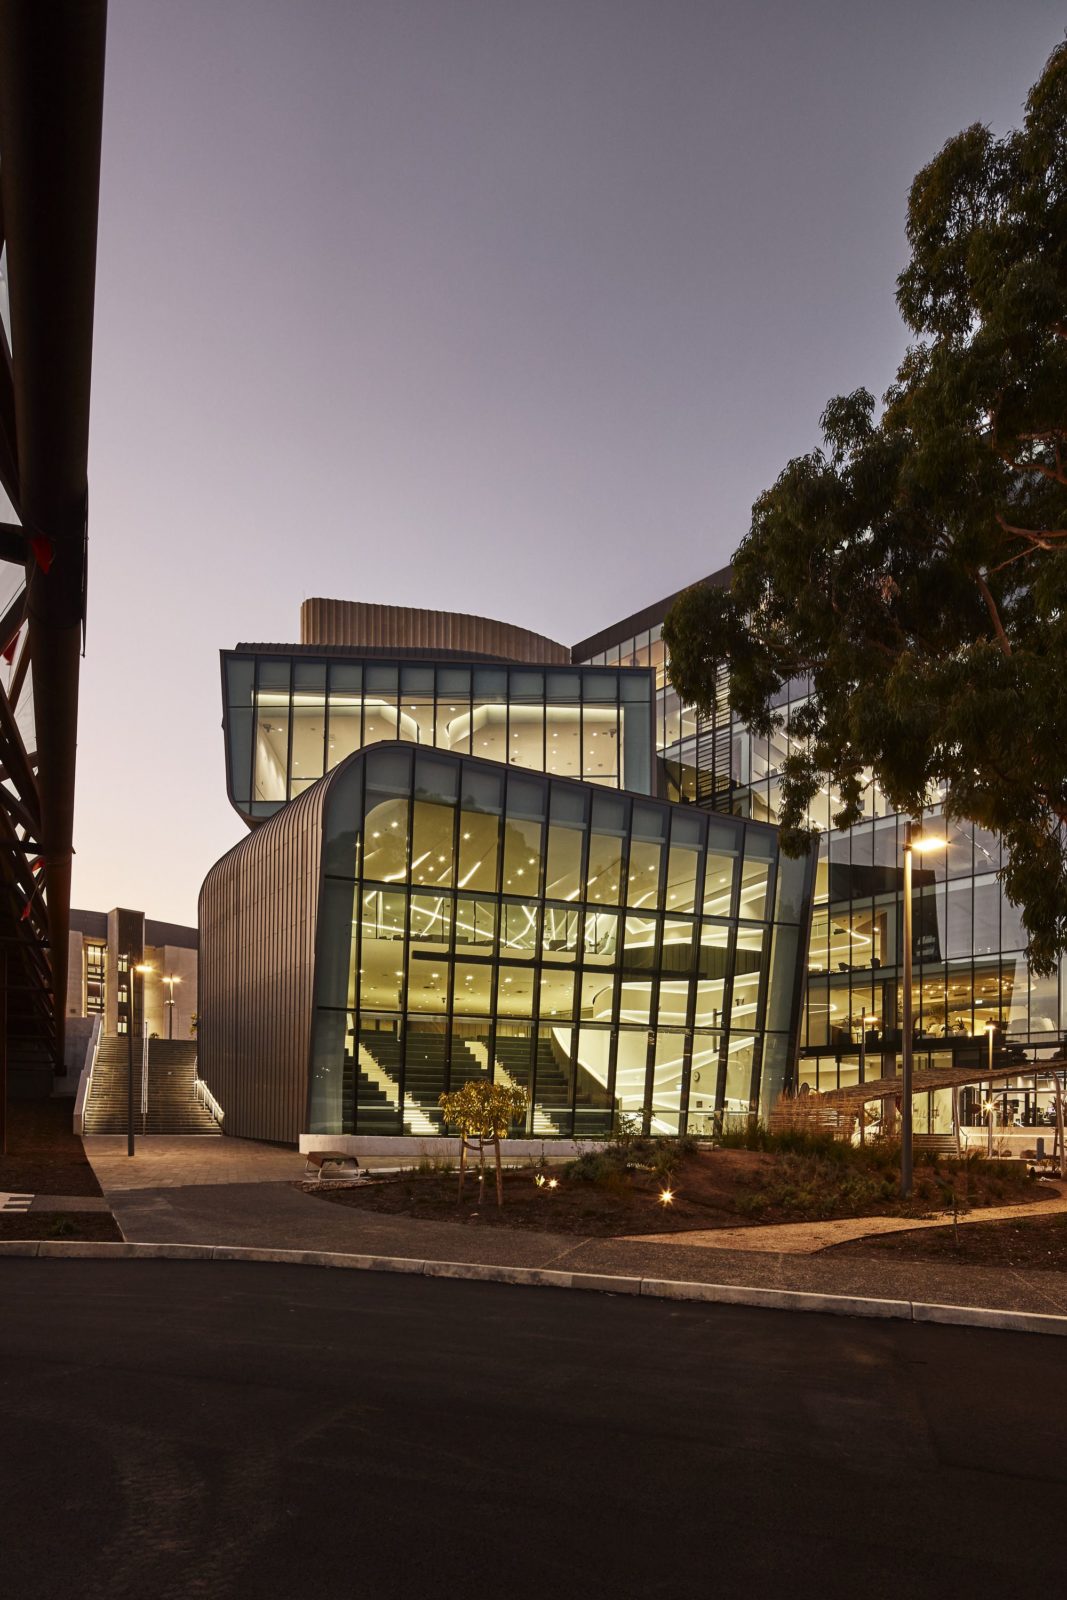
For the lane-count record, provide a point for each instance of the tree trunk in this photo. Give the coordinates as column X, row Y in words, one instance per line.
column 481, row 1173
column 499, row 1173
column 462, row 1165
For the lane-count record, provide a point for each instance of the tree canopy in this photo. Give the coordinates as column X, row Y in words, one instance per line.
column 914, row 568
column 483, row 1113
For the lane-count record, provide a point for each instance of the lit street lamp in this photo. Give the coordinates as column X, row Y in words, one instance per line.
column 170, row 979
column 914, row 839
column 142, row 967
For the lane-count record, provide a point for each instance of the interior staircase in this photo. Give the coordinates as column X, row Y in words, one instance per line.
column 173, row 1107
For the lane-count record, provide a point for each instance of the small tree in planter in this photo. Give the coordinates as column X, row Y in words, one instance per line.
column 483, row 1113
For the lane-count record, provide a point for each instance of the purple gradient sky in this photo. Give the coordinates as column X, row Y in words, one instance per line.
column 506, row 306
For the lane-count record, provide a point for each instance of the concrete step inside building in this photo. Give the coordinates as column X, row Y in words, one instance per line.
column 374, row 1065
column 172, row 1103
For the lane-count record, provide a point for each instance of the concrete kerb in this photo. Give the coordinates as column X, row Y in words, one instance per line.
column 539, row 1277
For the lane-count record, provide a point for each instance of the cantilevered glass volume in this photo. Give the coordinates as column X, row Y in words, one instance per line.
column 291, row 718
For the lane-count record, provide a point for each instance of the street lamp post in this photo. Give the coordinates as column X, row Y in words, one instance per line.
column 131, row 969
column 914, row 839
column 170, row 979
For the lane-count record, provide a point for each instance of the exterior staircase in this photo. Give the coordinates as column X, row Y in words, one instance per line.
column 173, row 1107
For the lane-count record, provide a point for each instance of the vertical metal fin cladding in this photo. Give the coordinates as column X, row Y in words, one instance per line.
column 258, row 913
column 358, row 624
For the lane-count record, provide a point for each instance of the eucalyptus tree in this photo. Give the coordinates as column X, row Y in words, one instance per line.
column 914, row 567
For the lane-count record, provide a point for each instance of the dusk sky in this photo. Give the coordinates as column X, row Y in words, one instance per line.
column 502, row 306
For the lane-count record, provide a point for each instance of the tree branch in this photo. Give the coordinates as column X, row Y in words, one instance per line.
column 991, row 607
column 1053, row 474
column 1037, row 537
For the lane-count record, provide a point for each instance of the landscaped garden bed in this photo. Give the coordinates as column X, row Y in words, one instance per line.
column 45, row 1157
column 674, row 1186
column 1022, row 1244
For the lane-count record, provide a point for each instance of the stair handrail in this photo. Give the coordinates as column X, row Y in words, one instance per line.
column 85, row 1081
column 144, row 1074
column 206, row 1098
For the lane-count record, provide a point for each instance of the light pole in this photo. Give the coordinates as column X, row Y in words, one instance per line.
column 914, row 839
column 131, row 968
column 989, row 1108
column 170, row 979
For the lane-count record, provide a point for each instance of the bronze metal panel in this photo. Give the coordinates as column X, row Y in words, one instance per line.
column 356, row 623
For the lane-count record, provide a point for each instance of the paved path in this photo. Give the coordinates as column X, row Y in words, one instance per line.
column 241, row 1432
column 238, row 1192
column 278, row 1215
column 807, row 1238
column 163, row 1163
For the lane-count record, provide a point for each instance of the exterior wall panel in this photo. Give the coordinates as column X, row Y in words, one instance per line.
column 353, row 622
column 258, row 910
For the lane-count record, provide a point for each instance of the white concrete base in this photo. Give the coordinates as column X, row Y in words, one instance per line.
column 351, row 1144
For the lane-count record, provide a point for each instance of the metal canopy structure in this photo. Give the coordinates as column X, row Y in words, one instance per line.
column 51, row 101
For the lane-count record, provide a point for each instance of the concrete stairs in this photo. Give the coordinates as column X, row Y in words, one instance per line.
column 173, row 1107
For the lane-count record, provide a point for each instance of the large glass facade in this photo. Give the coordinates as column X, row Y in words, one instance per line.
column 607, row 953
column 969, row 947
column 289, row 719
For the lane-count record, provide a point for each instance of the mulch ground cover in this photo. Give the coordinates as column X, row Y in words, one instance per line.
column 717, row 1188
column 43, row 1154
column 44, row 1157
column 1026, row 1244
column 59, row 1225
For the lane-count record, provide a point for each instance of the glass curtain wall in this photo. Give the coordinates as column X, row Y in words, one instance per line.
column 606, row 953
column 971, row 972
column 289, row 720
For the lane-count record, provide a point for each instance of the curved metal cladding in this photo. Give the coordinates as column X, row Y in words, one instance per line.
column 609, row 953
column 258, row 914
column 354, row 622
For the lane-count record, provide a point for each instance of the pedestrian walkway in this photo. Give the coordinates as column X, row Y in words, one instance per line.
column 808, row 1238
column 164, row 1161
column 237, row 1192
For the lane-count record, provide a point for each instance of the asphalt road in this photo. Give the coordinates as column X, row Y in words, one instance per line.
column 190, row 1431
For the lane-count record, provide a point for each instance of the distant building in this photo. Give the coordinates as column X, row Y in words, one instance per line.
column 101, row 944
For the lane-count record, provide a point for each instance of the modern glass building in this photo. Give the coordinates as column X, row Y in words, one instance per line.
column 969, row 946
column 415, row 919
column 608, row 720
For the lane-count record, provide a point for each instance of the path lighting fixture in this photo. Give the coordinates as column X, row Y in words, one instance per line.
column 170, row 979
column 132, row 967
column 925, row 844
column 666, row 1197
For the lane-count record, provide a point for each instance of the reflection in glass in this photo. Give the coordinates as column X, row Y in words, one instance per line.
column 667, row 1082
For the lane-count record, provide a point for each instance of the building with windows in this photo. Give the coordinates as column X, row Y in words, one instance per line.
column 461, row 867
column 101, row 944
column 682, row 1010
column 972, row 979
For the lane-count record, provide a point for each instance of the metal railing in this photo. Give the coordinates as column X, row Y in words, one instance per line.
column 144, row 1076
column 207, row 1100
column 85, row 1082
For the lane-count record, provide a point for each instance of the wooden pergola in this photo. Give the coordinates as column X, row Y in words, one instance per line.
column 856, row 1095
